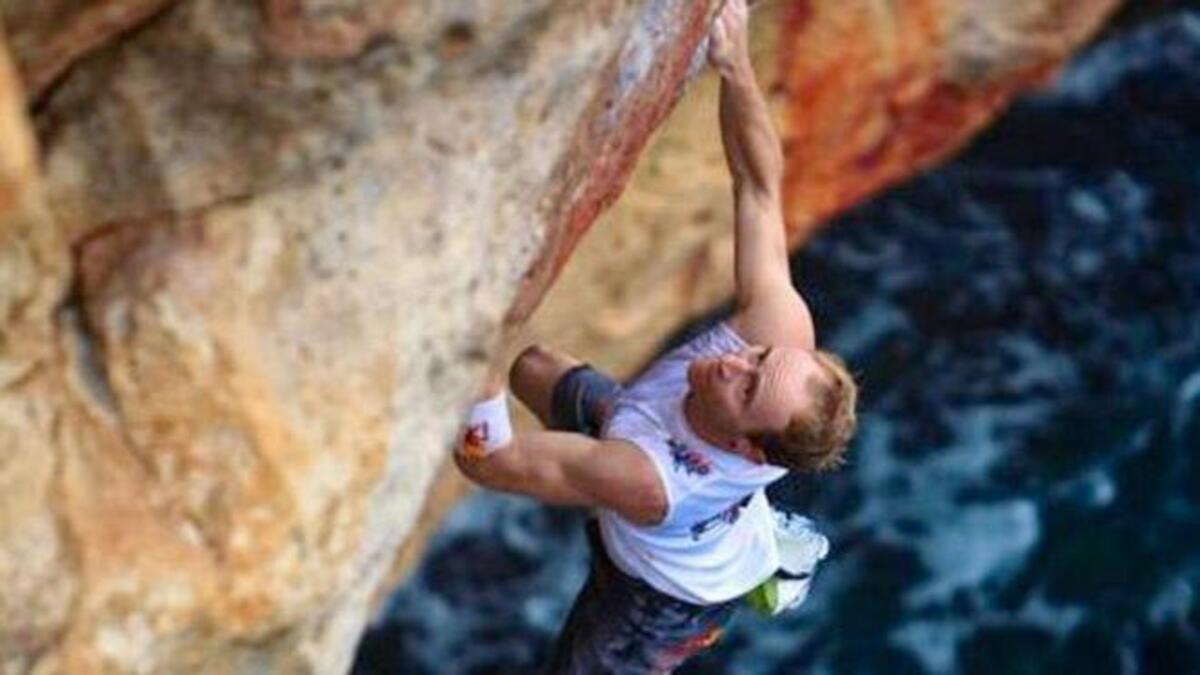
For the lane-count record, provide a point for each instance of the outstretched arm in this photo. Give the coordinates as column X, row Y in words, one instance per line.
column 558, row 467
column 570, row 469
column 769, row 310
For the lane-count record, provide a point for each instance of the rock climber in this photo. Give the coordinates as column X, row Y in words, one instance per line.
column 675, row 464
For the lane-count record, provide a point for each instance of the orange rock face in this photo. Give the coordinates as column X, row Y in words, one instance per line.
column 643, row 85
column 877, row 90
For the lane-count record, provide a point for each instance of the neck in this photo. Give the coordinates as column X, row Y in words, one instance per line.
column 701, row 426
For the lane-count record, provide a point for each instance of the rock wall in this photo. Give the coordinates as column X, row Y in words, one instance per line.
column 255, row 257
column 267, row 258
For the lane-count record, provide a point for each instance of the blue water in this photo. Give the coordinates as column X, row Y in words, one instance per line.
column 1024, row 495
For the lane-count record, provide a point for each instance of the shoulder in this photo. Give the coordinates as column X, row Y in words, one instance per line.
column 721, row 338
column 631, row 419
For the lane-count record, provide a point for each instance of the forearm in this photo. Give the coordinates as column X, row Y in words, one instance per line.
column 574, row 470
column 533, row 464
column 752, row 146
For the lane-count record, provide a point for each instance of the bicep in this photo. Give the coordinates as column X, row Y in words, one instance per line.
column 575, row 470
column 619, row 476
column 769, row 309
column 779, row 321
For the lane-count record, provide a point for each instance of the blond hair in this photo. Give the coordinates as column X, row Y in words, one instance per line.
column 816, row 437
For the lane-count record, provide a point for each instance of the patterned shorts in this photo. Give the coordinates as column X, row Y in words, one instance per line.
column 620, row 624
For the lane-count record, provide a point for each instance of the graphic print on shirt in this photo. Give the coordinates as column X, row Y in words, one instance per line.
column 688, row 460
column 728, row 516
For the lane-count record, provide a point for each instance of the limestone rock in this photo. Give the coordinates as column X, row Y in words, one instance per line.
column 37, row 568
column 48, row 36
column 268, row 258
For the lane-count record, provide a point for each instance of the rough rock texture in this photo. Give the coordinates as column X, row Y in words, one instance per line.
column 273, row 245
column 47, row 36
column 37, row 565
column 258, row 281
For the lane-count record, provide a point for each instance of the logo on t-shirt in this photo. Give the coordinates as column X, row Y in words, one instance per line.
column 690, row 461
column 728, row 516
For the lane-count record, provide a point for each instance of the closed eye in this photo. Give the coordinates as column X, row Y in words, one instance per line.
column 755, row 377
column 752, row 388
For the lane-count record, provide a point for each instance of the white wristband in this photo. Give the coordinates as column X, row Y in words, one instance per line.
column 489, row 427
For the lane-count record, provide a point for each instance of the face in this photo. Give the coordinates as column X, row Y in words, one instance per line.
column 756, row 389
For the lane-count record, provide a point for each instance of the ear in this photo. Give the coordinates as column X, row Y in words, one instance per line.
column 742, row 446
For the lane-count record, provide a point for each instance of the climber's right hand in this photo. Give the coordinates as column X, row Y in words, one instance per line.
column 728, row 39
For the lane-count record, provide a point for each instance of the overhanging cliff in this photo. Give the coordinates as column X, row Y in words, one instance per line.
column 255, row 257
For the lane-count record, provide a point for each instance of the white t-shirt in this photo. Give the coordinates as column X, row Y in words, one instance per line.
column 716, row 542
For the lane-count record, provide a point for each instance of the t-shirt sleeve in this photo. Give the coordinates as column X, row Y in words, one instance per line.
column 720, row 339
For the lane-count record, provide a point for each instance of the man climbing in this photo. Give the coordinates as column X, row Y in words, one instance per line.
column 675, row 465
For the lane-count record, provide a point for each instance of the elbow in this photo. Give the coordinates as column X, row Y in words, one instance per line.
column 656, row 509
column 651, row 507
column 650, row 514
column 764, row 184
column 765, row 192
column 771, row 177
